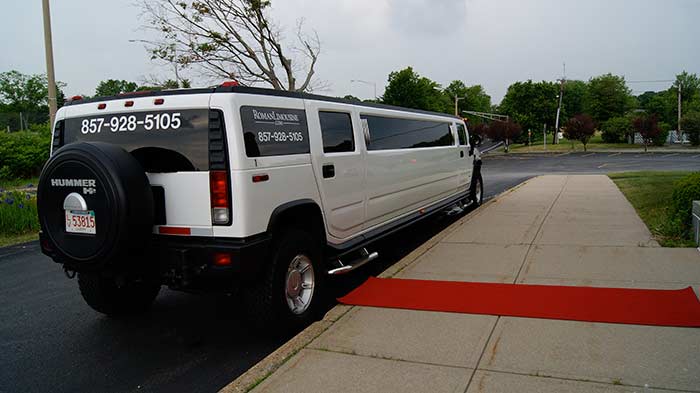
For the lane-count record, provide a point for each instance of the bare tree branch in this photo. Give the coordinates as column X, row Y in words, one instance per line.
column 230, row 39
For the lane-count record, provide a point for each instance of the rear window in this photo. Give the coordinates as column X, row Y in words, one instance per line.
column 269, row 131
column 394, row 133
column 161, row 140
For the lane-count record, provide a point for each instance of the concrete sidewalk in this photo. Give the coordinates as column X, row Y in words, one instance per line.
column 571, row 230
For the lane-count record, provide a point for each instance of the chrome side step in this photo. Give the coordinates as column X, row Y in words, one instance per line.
column 457, row 208
column 366, row 257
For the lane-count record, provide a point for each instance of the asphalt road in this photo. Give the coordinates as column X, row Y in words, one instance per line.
column 51, row 341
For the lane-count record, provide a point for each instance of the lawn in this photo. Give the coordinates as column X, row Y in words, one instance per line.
column 565, row 145
column 650, row 194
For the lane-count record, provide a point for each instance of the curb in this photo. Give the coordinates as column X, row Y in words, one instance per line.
column 272, row 362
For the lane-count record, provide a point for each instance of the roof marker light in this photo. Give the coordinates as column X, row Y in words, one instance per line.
column 158, row 101
column 129, row 103
column 101, row 105
column 230, row 84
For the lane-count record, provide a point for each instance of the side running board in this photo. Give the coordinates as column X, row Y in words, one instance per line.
column 364, row 258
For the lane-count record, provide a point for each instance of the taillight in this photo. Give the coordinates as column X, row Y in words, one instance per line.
column 220, row 205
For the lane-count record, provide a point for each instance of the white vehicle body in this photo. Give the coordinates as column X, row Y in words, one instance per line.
column 345, row 172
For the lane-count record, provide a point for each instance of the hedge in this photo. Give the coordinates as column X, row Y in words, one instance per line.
column 684, row 193
column 23, row 153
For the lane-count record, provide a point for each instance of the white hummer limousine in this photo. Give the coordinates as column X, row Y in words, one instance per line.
column 236, row 188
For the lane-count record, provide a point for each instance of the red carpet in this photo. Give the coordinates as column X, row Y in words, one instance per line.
column 615, row 305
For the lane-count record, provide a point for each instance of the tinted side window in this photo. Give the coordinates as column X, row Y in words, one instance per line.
column 336, row 132
column 392, row 133
column 462, row 133
column 274, row 131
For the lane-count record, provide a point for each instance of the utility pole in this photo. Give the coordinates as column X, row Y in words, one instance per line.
column 456, row 103
column 544, row 134
column 680, row 133
column 48, row 46
column 561, row 96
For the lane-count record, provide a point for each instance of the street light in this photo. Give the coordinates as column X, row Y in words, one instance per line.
column 457, row 103
column 366, row 83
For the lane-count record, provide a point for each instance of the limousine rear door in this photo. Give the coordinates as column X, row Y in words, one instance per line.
column 339, row 165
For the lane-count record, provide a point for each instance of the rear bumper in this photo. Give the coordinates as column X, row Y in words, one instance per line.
column 189, row 262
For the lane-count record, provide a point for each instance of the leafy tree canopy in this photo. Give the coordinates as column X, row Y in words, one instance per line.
column 472, row 98
column 531, row 104
column 112, row 87
column 408, row 89
column 608, row 96
column 26, row 93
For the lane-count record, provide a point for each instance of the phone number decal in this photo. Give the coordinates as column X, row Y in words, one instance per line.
column 125, row 123
column 280, row 136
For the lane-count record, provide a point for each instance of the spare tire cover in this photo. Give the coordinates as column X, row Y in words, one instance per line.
column 114, row 188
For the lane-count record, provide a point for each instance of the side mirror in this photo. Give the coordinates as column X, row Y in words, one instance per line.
column 475, row 140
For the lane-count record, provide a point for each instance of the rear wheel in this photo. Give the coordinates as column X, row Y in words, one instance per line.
column 117, row 296
column 291, row 294
column 477, row 189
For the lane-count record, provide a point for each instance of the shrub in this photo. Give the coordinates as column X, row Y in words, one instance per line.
column 684, row 193
column 660, row 139
column 616, row 129
column 18, row 214
column 648, row 127
column 581, row 128
column 690, row 124
column 23, row 153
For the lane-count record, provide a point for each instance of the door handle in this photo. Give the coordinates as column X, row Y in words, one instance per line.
column 328, row 171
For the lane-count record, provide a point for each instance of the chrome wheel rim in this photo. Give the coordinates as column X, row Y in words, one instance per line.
column 477, row 192
column 299, row 284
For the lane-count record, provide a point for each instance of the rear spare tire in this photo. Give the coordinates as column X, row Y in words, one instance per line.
column 99, row 184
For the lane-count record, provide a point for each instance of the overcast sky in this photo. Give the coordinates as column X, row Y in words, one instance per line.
column 487, row 42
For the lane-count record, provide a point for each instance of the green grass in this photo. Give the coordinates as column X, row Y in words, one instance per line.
column 17, row 183
column 566, row 145
column 650, row 194
column 18, row 217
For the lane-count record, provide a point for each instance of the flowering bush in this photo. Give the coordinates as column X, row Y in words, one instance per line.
column 18, row 213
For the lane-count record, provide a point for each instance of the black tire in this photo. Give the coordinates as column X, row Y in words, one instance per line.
column 114, row 296
column 266, row 298
column 113, row 186
column 477, row 181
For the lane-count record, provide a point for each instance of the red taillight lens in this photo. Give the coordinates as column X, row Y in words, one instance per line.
column 218, row 189
column 222, row 259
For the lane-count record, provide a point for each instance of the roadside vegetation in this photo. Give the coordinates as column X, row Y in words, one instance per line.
column 662, row 200
column 18, row 217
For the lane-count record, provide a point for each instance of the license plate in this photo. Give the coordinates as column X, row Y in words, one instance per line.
column 79, row 221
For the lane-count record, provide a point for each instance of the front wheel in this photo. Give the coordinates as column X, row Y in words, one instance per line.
column 477, row 190
column 117, row 296
column 291, row 294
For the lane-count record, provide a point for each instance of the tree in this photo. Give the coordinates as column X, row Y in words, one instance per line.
column 113, row 87
column 690, row 86
column 504, row 131
column 472, row 98
column 408, row 89
column 648, row 128
column 690, row 123
column 531, row 104
column 608, row 96
column 616, row 129
column 574, row 98
column 231, row 39
column 581, row 128
column 26, row 96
